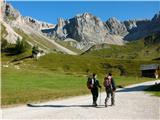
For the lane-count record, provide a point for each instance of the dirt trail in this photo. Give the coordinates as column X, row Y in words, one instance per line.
column 131, row 103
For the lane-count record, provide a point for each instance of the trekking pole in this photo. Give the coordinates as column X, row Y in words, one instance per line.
column 100, row 97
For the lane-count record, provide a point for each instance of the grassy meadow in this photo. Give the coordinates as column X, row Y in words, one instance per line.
column 56, row 76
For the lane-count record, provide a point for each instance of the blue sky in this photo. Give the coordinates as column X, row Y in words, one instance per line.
column 49, row 11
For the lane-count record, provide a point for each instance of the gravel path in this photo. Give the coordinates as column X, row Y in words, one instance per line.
column 131, row 103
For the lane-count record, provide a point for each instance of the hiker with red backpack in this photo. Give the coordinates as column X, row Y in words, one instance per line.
column 110, row 88
column 93, row 85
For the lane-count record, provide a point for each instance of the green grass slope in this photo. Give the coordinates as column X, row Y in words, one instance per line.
column 147, row 48
column 88, row 64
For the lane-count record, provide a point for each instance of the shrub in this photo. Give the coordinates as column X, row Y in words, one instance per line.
column 4, row 44
column 21, row 46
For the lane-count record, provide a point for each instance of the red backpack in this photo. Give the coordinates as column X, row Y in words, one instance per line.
column 107, row 81
column 89, row 83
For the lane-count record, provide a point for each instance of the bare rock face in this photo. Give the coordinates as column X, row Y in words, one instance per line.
column 130, row 24
column 137, row 29
column 37, row 25
column 9, row 12
column 85, row 28
column 115, row 27
column 141, row 28
column 89, row 30
column 11, row 18
column 156, row 17
column 59, row 30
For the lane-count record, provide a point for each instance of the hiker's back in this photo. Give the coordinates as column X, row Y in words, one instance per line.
column 107, row 82
column 89, row 83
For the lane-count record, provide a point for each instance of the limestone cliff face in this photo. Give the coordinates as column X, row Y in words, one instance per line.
column 8, row 11
column 9, row 14
column 138, row 29
column 85, row 28
column 89, row 30
column 116, row 27
column 36, row 24
column 11, row 18
column 59, row 30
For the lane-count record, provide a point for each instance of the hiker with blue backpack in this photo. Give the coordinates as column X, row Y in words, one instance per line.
column 93, row 85
column 110, row 88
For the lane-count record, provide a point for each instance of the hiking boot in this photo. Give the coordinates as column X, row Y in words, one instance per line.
column 112, row 104
column 105, row 103
column 94, row 104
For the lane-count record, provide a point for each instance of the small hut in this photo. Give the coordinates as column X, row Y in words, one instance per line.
column 148, row 70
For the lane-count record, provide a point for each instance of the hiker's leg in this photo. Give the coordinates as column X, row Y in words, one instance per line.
column 107, row 97
column 96, row 96
column 112, row 97
column 92, row 95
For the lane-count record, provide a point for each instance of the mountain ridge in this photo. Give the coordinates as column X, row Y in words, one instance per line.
column 89, row 30
column 84, row 30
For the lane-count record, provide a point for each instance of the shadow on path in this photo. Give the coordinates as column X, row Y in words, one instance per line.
column 61, row 106
column 133, row 89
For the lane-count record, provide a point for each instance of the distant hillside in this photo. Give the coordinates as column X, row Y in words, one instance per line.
column 147, row 48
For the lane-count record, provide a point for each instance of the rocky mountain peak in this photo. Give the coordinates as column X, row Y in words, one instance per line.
column 8, row 12
column 113, row 20
column 130, row 24
column 61, row 22
column 87, row 18
column 156, row 17
column 36, row 24
column 115, row 26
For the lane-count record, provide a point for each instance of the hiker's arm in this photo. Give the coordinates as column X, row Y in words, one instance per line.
column 104, row 83
column 113, row 84
column 98, row 84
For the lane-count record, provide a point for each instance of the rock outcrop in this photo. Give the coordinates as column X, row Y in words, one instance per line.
column 11, row 18
column 15, row 27
column 115, row 27
column 37, row 25
column 86, row 29
column 9, row 14
column 89, row 30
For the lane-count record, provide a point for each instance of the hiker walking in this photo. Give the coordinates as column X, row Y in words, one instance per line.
column 93, row 85
column 110, row 88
